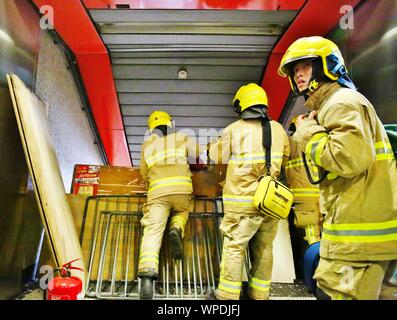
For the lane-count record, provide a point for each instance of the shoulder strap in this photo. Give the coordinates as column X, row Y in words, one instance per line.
column 308, row 174
column 267, row 142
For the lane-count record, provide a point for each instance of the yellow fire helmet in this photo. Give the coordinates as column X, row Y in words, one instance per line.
column 327, row 61
column 248, row 96
column 159, row 118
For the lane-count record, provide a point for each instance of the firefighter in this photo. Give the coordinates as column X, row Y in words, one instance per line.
column 307, row 216
column 164, row 164
column 345, row 139
column 240, row 146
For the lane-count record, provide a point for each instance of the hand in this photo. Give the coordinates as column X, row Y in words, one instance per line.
column 198, row 167
column 304, row 117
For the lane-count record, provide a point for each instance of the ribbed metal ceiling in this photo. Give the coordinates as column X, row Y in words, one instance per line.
column 220, row 50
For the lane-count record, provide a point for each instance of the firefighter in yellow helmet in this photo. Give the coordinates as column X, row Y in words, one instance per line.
column 344, row 137
column 307, row 216
column 164, row 164
column 240, row 146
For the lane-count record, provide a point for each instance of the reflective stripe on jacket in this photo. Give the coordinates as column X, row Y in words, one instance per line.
column 360, row 192
column 164, row 164
column 306, row 195
column 240, row 146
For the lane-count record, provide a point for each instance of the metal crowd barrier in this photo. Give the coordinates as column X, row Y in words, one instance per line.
column 111, row 235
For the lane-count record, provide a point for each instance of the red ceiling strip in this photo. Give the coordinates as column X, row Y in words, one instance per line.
column 113, row 140
column 198, row 4
column 97, row 75
column 76, row 29
column 317, row 17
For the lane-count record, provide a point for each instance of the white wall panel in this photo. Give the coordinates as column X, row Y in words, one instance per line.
column 68, row 124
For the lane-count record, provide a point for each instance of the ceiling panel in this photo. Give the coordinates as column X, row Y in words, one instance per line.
column 170, row 72
column 195, row 17
column 192, row 99
column 220, row 50
column 177, row 86
column 180, row 110
column 187, row 39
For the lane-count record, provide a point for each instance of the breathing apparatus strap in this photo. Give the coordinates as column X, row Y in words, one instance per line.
column 309, row 176
column 267, row 142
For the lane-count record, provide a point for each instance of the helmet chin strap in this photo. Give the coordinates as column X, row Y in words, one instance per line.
column 313, row 85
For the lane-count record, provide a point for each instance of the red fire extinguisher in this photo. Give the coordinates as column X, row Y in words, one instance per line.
column 64, row 286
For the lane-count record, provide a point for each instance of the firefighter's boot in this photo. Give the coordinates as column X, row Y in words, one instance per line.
column 146, row 292
column 175, row 243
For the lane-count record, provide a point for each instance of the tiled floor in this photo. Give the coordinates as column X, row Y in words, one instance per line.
column 36, row 294
column 280, row 291
column 287, row 291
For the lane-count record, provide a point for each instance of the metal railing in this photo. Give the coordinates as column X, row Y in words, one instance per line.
column 111, row 235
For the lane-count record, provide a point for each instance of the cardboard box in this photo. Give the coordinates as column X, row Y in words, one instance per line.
column 107, row 180
column 209, row 182
column 112, row 180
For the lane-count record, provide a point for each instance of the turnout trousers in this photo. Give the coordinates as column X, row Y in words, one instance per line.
column 154, row 221
column 240, row 231
column 347, row 280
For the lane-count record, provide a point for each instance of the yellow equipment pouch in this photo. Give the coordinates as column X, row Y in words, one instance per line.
column 273, row 199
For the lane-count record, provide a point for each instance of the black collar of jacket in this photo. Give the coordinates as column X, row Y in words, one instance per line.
column 324, row 91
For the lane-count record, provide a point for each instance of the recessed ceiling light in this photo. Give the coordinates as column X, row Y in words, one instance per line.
column 182, row 74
